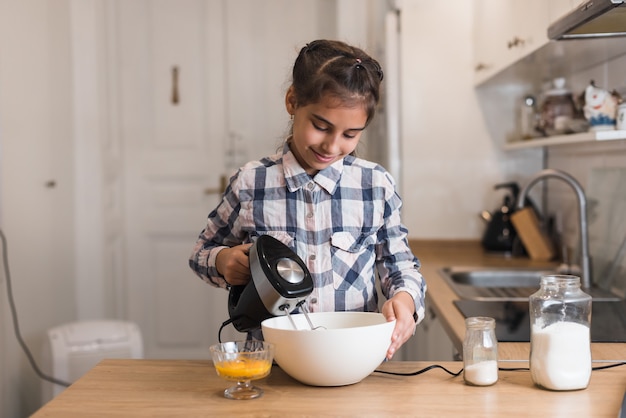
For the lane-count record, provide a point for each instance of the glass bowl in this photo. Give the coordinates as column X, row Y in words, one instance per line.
column 242, row 362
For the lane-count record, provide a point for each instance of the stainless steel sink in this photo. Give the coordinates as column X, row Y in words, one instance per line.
column 503, row 284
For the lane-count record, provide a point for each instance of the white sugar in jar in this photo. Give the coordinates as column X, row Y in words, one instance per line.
column 484, row 373
column 560, row 356
column 560, row 337
column 480, row 352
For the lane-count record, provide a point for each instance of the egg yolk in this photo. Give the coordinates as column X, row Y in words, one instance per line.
column 243, row 368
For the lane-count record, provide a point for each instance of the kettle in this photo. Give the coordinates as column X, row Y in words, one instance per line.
column 280, row 283
column 500, row 235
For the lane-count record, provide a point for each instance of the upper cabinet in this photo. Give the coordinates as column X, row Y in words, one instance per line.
column 506, row 31
column 513, row 55
column 511, row 42
column 490, row 33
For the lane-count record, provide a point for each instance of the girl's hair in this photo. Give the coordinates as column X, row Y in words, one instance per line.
column 336, row 68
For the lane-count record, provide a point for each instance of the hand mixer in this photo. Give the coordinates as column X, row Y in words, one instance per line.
column 280, row 283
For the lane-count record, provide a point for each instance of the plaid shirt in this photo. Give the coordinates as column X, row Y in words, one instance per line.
column 344, row 223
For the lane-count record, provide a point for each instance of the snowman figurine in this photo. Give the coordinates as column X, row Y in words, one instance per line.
column 600, row 108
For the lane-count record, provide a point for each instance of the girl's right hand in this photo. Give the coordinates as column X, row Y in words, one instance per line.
column 233, row 264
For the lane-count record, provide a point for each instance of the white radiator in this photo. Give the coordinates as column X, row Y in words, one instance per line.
column 70, row 350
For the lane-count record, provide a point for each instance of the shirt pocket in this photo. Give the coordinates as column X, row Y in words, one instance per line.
column 353, row 257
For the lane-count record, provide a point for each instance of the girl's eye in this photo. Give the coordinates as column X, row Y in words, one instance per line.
column 349, row 136
column 319, row 128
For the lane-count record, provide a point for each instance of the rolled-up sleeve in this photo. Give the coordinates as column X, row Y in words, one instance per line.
column 220, row 232
column 398, row 268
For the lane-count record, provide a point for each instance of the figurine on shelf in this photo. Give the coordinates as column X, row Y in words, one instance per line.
column 600, row 108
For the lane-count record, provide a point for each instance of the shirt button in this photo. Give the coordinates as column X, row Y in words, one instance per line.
column 312, row 257
column 309, row 215
column 310, row 186
column 313, row 300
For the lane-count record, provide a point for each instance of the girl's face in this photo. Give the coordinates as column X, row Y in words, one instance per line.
column 324, row 132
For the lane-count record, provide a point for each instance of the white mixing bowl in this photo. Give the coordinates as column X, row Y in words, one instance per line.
column 349, row 349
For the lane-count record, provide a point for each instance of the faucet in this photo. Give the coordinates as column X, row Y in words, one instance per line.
column 582, row 215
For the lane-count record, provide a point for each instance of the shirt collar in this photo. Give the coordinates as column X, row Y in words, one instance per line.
column 296, row 177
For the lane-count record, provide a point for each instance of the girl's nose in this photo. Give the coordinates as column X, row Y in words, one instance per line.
column 331, row 144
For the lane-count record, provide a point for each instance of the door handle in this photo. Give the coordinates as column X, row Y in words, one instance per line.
column 218, row 190
column 175, row 95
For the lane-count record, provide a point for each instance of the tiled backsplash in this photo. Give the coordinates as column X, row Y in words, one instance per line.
column 607, row 229
column 604, row 179
column 601, row 169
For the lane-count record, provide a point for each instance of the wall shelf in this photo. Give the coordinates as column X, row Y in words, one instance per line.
column 567, row 139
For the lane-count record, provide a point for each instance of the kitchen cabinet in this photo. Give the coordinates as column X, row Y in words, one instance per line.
column 431, row 340
column 504, row 32
column 514, row 56
column 490, row 21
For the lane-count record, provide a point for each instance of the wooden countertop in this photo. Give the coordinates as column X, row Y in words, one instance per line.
column 191, row 388
column 435, row 255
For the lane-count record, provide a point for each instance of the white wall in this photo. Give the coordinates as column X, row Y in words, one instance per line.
column 36, row 219
column 449, row 161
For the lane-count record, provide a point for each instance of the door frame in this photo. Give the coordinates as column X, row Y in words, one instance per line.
column 99, row 279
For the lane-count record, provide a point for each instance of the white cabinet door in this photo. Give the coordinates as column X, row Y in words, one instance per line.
column 201, row 85
column 492, row 31
column 430, row 342
column 506, row 31
column 530, row 23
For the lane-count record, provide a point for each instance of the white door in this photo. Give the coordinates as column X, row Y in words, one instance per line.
column 172, row 122
column 201, row 86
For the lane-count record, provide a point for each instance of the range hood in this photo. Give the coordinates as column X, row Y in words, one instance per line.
column 591, row 19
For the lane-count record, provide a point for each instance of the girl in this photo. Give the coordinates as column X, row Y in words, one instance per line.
column 341, row 214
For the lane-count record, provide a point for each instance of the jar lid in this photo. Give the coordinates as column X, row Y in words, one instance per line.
column 560, row 280
column 480, row 322
column 559, row 88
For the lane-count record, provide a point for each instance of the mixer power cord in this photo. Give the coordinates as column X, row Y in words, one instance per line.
column 509, row 369
column 424, row 370
column 224, row 324
column 16, row 326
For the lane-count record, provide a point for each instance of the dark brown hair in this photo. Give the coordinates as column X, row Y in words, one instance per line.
column 336, row 68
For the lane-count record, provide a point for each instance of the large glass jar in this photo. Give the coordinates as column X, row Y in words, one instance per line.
column 557, row 110
column 560, row 337
column 480, row 351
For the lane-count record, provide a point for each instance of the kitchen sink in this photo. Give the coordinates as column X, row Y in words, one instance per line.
column 503, row 284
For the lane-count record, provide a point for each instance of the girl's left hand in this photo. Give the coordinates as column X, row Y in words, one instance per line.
column 401, row 308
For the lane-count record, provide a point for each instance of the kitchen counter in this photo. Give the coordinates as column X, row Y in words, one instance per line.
column 150, row 388
column 435, row 255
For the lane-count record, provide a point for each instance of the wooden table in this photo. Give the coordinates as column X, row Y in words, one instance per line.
column 191, row 388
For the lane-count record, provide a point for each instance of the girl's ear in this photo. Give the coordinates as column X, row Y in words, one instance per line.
column 290, row 101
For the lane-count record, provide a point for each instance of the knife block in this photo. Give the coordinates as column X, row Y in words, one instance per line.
column 536, row 242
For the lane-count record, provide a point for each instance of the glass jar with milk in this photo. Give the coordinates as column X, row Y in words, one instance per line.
column 560, row 341
column 480, row 351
